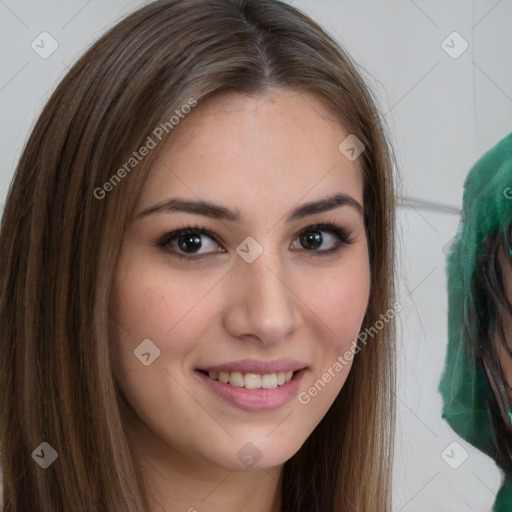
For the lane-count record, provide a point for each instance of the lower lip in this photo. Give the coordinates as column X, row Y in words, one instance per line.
column 256, row 399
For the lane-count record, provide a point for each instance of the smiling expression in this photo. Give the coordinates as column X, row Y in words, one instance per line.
column 245, row 264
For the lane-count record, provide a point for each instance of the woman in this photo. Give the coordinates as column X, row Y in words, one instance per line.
column 476, row 384
column 199, row 227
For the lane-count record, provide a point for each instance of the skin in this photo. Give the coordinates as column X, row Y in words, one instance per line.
column 506, row 268
column 263, row 156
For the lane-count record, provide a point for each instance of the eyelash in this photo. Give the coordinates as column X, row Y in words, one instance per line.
column 344, row 238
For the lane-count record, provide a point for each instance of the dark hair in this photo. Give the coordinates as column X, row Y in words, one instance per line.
column 491, row 303
column 60, row 246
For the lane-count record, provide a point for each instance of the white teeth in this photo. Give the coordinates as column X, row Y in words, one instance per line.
column 252, row 380
column 236, row 379
column 269, row 381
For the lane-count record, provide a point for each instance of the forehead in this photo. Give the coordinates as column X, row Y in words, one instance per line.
column 280, row 145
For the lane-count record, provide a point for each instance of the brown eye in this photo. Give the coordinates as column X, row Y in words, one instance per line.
column 190, row 242
column 311, row 240
column 323, row 239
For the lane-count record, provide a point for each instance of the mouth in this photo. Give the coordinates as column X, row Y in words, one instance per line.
column 251, row 380
column 253, row 385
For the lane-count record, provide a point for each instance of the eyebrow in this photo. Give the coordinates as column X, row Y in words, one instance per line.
column 221, row 212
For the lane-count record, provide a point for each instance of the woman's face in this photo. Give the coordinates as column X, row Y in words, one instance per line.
column 506, row 318
column 210, row 325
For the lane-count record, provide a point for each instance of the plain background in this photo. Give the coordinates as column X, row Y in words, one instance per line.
column 443, row 113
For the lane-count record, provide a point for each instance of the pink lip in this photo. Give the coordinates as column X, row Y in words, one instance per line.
column 257, row 366
column 255, row 399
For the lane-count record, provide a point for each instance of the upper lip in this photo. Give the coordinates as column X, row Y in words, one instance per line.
column 256, row 366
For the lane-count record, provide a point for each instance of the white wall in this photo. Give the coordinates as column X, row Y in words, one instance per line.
column 443, row 114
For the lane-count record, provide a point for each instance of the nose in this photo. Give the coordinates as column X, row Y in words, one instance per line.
column 263, row 303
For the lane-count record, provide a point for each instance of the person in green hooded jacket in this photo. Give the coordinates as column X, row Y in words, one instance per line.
column 477, row 378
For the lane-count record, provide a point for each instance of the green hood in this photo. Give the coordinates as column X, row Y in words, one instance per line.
column 465, row 387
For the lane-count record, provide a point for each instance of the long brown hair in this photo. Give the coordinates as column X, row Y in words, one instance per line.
column 60, row 244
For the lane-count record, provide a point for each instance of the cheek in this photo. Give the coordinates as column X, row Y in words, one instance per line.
column 145, row 307
column 152, row 302
column 506, row 360
column 348, row 304
column 506, row 318
column 170, row 309
column 341, row 301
